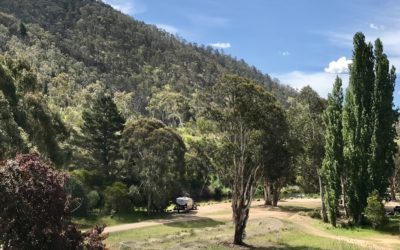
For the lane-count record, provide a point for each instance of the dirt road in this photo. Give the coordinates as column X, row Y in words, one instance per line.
column 222, row 212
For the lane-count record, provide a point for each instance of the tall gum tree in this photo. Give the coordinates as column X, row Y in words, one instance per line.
column 245, row 111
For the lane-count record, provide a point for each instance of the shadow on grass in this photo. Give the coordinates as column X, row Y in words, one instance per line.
column 109, row 220
column 392, row 227
column 279, row 247
column 295, row 209
column 199, row 222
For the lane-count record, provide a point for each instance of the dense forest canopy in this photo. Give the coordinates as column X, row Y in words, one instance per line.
column 102, row 44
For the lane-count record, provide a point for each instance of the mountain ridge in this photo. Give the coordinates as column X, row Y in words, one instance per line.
column 123, row 53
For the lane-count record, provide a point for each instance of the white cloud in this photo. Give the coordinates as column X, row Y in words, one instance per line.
column 168, row 28
column 338, row 67
column 321, row 82
column 210, row 21
column 285, row 53
column 376, row 27
column 220, row 45
column 373, row 26
column 128, row 7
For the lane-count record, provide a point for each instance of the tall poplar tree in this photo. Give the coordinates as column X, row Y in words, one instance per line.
column 333, row 161
column 368, row 124
column 383, row 144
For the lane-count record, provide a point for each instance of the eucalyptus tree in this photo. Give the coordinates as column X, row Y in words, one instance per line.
column 305, row 116
column 245, row 112
column 154, row 154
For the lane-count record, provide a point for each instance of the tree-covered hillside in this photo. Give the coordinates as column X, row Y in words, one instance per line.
column 89, row 41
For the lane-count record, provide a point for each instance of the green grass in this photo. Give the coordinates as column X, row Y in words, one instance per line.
column 392, row 228
column 146, row 233
column 266, row 234
column 299, row 241
column 117, row 219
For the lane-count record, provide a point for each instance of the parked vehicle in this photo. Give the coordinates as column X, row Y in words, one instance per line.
column 185, row 204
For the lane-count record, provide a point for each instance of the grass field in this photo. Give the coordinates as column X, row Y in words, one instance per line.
column 390, row 229
column 209, row 234
column 117, row 219
column 285, row 227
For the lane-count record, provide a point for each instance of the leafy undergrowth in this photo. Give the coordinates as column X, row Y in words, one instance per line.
column 391, row 228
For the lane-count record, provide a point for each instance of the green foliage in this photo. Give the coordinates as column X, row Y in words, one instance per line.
column 154, row 154
column 89, row 42
column 76, row 189
column 307, row 129
column 332, row 166
column 116, row 198
column 368, row 124
column 102, row 129
column 22, row 30
column 357, row 125
column 375, row 211
column 11, row 141
column 203, row 145
column 27, row 113
column 383, row 145
column 93, row 199
column 245, row 112
column 170, row 107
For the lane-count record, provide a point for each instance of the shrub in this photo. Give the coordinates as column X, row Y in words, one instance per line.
column 116, row 198
column 93, row 198
column 375, row 210
column 76, row 189
column 35, row 209
column 135, row 196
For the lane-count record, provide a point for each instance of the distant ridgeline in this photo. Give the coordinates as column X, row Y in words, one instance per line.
column 83, row 42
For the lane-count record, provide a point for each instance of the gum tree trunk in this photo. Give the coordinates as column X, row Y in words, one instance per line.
column 267, row 193
column 276, row 194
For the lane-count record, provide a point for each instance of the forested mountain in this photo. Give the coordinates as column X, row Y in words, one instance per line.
column 84, row 41
column 133, row 117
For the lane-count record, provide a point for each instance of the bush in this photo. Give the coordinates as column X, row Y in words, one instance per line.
column 135, row 196
column 76, row 189
column 93, row 198
column 35, row 209
column 116, row 198
column 315, row 214
column 375, row 210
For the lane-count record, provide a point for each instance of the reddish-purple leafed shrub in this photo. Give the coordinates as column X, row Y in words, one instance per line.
column 35, row 208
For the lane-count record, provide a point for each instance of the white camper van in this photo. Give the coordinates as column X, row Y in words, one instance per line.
column 185, row 204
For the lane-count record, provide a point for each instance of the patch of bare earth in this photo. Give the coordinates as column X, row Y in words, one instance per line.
column 259, row 212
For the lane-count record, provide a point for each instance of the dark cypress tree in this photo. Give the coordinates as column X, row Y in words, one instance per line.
column 383, row 146
column 102, row 129
column 357, row 125
column 22, row 30
column 333, row 161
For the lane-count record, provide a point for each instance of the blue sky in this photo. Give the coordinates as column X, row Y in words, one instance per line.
column 300, row 42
